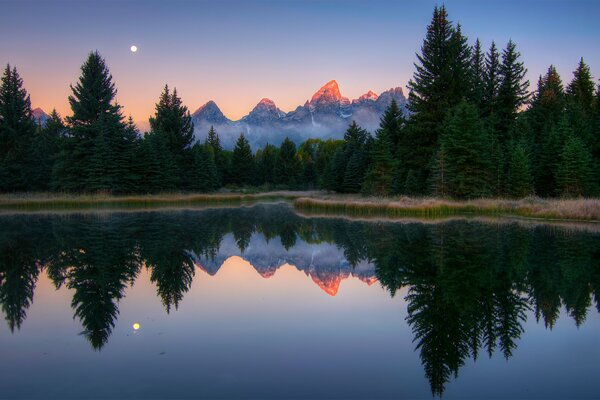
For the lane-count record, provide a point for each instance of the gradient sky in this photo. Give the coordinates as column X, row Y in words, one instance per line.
column 236, row 53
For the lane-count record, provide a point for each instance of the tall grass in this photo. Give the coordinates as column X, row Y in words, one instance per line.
column 560, row 209
column 37, row 202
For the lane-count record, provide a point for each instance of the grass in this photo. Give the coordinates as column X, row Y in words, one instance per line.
column 52, row 201
column 319, row 203
column 532, row 207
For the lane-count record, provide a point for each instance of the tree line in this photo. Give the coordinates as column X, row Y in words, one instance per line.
column 472, row 129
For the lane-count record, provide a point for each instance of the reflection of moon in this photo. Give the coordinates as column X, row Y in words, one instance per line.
column 136, row 326
column 133, row 48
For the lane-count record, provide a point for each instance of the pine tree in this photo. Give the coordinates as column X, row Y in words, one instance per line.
column 478, row 75
column 213, row 141
column 204, row 173
column 440, row 81
column 266, row 158
column 467, row 146
column 242, row 163
column 287, row 167
column 17, row 130
column 352, row 167
column 520, row 179
column 380, row 173
column 581, row 89
column 97, row 135
column 392, row 122
column 491, row 81
column 172, row 119
column 156, row 166
column 574, row 173
column 46, row 146
column 512, row 91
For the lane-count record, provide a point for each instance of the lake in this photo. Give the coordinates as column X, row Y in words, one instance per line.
column 260, row 302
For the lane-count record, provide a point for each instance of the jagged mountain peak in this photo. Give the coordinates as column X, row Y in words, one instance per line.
column 210, row 112
column 329, row 91
column 370, row 95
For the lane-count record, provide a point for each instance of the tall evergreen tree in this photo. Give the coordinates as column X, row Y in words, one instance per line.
column 17, row 130
column 156, row 166
column 381, row 170
column 478, row 75
column 512, row 91
column 204, row 175
column 392, row 122
column 467, row 147
column 46, row 146
column 287, row 167
column 520, row 179
column 491, row 81
column 172, row 119
column 213, row 141
column 439, row 82
column 266, row 158
column 574, row 173
column 97, row 135
column 354, row 163
column 242, row 163
column 581, row 89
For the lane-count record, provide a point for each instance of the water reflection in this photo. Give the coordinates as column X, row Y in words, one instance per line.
column 470, row 285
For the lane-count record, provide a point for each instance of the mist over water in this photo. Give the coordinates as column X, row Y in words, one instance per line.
column 260, row 302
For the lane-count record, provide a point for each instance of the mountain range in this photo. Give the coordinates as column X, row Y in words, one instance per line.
column 326, row 115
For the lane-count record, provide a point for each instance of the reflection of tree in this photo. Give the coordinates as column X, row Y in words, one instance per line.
column 469, row 284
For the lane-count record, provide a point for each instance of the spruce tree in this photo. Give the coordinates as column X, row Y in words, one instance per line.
column 17, row 130
column 266, row 158
column 574, row 173
column 351, row 169
column 491, row 81
column 467, row 148
column 441, row 80
column 512, row 91
column 213, row 141
column 520, row 179
column 381, row 170
column 204, row 176
column 581, row 89
column 242, row 163
column 97, row 135
column 478, row 75
column 172, row 119
column 46, row 145
column 287, row 167
column 392, row 122
column 156, row 166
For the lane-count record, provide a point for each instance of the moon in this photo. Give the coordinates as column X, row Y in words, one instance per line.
column 133, row 48
column 136, row 326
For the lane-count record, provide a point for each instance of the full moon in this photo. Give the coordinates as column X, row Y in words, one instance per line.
column 136, row 326
column 133, row 48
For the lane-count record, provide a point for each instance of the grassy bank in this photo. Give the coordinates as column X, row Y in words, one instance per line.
column 559, row 209
column 45, row 201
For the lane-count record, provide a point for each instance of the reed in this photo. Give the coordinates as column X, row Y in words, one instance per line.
column 532, row 207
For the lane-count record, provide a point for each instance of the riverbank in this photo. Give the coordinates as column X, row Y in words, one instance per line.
column 318, row 202
column 532, row 207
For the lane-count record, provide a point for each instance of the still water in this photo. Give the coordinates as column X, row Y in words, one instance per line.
column 260, row 302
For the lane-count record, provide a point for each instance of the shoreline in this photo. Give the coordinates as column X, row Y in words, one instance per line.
column 319, row 203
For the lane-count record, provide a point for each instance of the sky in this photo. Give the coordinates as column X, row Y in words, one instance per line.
column 238, row 52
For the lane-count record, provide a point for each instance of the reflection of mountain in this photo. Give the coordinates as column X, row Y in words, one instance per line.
column 324, row 263
column 470, row 285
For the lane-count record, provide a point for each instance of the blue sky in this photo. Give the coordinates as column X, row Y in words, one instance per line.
column 239, row 52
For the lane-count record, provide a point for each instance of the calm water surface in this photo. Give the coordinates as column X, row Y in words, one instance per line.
column 262, row 303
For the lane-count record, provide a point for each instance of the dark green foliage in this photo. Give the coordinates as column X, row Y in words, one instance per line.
column 266, row 159
column 172, row 119
column 288, row 170
column 242, row 163
column 98, row 152
column 467, row 147
column 46, row 146
column 574, row 173
column 520, row 180
column 478, row 72
column 17, row 131
column 491, row 78
column 392, row 122
column 156, row 165
column 203, row 176
column 512, row 91
column 213, row 140
column 382, row 167
column 441, row 80
column 354, row 161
